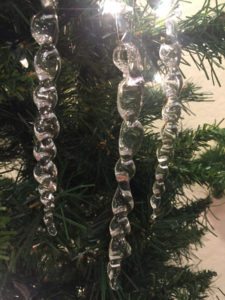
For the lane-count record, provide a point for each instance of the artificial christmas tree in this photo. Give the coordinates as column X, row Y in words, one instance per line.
column 72, row 265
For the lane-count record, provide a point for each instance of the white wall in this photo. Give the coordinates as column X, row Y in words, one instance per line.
column 206, row 112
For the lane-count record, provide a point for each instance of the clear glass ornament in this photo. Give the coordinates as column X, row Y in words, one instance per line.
column 129, row 101
column 123, row 195
column 130, row 139
column 49, row 221
column 171, row 31
column 47, row 63
column 44, row 150
column 124, row 170
column 44, row 27
column 47, row 127
column 46, row 175
column 45, row 95
column 170, row 54
column 127, row 59
column 173, row 83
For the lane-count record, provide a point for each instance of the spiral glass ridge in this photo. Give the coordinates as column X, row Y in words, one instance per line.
column 47, row 63
column 127, row 59
column 170, row 54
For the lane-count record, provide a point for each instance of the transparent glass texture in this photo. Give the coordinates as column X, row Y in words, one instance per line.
column 173, row 83
column 129, row 101
column 127, row 59
column 47, row 127
column 47, row 63
column 170, row 54
column 44, row 151
column 45, row 95
column 44, row 27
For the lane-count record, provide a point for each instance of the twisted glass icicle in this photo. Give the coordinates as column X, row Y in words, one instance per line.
column 47, row 63
column 170, row 54
column 129, row 101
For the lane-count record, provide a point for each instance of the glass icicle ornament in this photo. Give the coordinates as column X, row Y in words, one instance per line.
column 127, row 59
column 47, row 63
column 170, row 54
